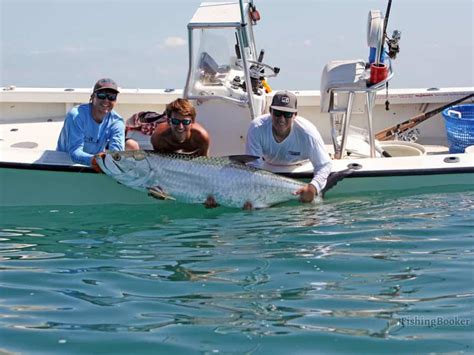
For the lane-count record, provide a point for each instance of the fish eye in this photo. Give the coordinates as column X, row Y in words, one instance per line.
column 116, row 156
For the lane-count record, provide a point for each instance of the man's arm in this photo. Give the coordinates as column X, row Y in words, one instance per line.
column 254, row 147
column 117, row 137
column 156, row 139
column 321, row 161
column 202, row 140
column 320, row 174
column 319, row 157
column 75, row 140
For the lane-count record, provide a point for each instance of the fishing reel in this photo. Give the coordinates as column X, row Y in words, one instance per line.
column 393, row 44
column 410, row 135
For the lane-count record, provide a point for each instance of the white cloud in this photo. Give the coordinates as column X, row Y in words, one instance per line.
column 175, row 42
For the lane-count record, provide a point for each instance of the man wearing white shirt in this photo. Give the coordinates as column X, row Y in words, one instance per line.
column 284, row 138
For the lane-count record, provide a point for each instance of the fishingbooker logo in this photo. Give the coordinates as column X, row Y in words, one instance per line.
column 417, row 321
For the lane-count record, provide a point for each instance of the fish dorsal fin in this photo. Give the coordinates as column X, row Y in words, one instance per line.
column 181, row 155
column 242, row 158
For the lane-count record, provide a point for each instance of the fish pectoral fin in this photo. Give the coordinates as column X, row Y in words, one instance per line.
column 158, row 193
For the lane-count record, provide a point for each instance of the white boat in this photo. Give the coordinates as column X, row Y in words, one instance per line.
column 223, row 62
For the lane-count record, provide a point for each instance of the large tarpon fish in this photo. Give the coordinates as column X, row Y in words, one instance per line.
column 193, row 179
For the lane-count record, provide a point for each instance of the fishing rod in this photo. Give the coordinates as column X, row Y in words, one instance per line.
column 385, row 22
column 392, row 131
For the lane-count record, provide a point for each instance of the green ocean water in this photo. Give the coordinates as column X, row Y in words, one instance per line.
column 374, row 275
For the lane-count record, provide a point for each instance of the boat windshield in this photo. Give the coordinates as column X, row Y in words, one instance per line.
column 214, row 60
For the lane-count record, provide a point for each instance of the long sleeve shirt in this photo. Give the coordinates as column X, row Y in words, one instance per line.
column 82, row 137
column 303, row 143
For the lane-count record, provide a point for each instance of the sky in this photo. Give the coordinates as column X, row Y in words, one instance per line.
column 143, row 43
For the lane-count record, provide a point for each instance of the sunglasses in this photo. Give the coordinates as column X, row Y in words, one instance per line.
column 106, row 95
column 185, row 122
column 285, row 114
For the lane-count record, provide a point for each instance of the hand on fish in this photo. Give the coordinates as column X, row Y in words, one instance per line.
column 94, row 164
column 307, row 193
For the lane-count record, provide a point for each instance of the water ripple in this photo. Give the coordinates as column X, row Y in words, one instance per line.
column 345, row 274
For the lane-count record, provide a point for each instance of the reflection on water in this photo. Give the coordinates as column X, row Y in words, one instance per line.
column 353, row 275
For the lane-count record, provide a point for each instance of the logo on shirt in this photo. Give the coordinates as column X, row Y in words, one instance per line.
column 90, row 140
column 290, row 152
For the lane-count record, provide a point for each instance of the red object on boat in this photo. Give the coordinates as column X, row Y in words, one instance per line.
column 254, row 14
column 378, row 72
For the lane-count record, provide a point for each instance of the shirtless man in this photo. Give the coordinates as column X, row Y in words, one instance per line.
column 181, row 133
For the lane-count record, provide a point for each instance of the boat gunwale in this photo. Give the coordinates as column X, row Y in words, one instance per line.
column 296, row 175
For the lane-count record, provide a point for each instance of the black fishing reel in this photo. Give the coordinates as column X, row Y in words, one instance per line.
column 393, row 44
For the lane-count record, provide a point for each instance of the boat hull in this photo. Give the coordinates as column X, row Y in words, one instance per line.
column 69, row 186
column 42, row 187
column 402, row 184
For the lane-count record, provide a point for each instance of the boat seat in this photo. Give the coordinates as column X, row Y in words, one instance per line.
column 341, row 74
column 342, row 82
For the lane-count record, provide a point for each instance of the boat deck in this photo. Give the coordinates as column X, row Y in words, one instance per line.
column 35, row 142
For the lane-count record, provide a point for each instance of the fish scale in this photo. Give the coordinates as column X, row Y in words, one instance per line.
column 192, row 179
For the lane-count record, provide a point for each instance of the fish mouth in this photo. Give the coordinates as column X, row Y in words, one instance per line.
column 100, row 160
column 107, row 165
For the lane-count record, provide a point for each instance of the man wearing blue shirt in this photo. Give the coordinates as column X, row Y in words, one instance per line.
column 94, row 127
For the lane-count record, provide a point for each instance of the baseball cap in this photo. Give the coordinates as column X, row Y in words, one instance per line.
column 284, row 101
column 106, row 83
